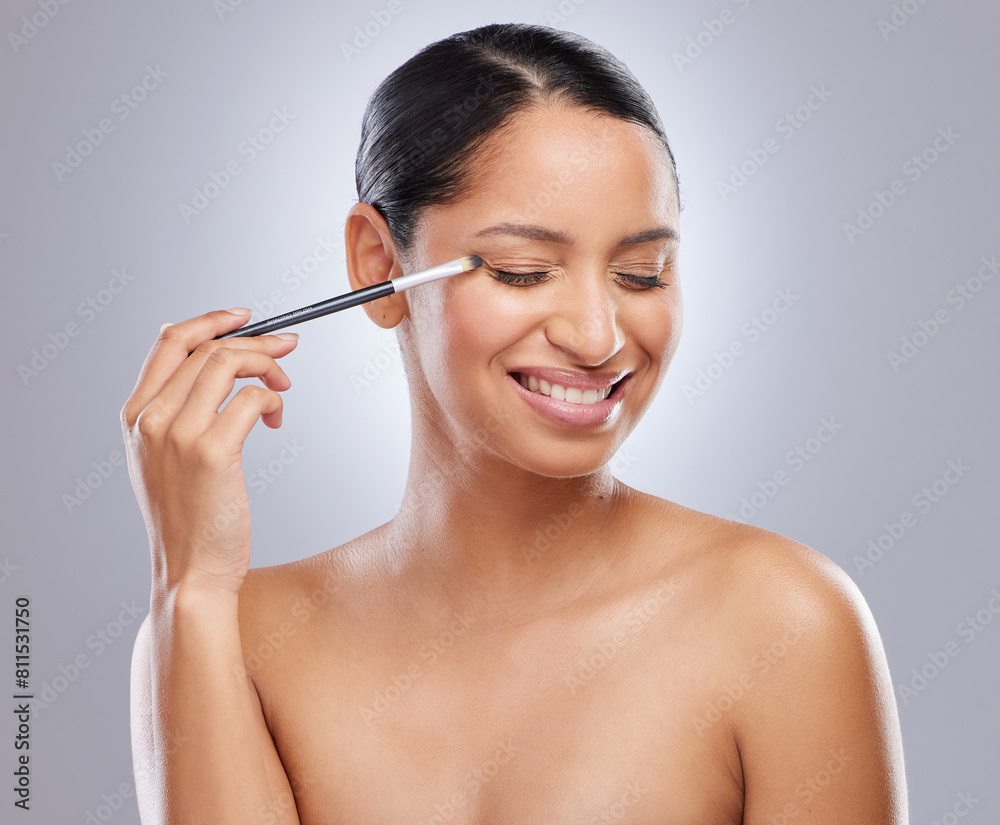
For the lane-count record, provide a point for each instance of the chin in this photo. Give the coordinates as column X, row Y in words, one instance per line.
column 564, row 462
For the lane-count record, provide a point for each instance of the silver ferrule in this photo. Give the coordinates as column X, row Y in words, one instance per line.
column 432, row 274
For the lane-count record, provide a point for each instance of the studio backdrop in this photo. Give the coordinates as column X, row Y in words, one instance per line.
column 836, row 381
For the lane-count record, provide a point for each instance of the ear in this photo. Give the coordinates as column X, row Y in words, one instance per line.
column 372, row 258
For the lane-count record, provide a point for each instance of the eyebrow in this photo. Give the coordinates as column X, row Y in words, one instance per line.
column 540, row 233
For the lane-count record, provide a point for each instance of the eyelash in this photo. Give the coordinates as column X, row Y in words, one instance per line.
column 528, row 278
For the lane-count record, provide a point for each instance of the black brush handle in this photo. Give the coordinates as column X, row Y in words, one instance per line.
column 297, row 316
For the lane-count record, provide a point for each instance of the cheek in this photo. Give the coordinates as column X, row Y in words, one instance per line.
column 656, row 326
column 485, row 318
column 460, row 327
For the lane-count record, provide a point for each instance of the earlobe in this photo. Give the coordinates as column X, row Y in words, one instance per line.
column 371, row 259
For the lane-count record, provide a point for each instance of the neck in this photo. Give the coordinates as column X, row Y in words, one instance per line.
column 477, row 532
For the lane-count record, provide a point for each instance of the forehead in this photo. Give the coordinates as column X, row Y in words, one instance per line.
column 570, row 169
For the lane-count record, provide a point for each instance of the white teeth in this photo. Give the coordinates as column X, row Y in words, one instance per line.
column 573, row 395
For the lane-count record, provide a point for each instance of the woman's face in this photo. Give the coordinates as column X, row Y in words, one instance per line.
column 582, row 209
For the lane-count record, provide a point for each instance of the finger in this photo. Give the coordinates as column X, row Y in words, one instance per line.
column 173, row 345
column 252, row 403
column 175, row 387
column 171, row 348
column 216, row 380
column 178, row 387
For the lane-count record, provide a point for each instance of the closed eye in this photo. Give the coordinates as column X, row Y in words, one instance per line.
column 647, row 281
column 520, row 277
column 528, row 278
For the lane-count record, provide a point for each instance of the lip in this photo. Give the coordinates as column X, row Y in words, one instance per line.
column 574, row 378
column 569, row 414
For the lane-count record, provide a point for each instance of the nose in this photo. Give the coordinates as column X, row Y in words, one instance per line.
column 584, row 324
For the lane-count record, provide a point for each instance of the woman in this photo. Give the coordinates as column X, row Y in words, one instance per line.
column 528, row 639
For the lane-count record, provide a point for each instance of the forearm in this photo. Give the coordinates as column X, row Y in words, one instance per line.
column 206, row 739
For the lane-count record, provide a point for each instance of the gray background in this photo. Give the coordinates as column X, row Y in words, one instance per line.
column 228, row 65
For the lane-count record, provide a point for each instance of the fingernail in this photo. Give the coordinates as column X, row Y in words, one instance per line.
column 240, row 311
column 164, row 326
column 287, row 336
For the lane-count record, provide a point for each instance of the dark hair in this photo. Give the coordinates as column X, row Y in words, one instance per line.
column 426, row 120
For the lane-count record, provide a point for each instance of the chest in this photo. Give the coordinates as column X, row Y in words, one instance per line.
column 464, row 728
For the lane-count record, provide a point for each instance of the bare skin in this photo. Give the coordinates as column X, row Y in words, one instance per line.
column 528, row 640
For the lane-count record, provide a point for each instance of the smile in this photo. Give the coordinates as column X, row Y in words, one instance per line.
column 569, row 394
column 570, row 397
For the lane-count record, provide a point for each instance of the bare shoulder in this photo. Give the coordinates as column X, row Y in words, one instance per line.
column 806, row 690
column 771, row 581
column 282, row 606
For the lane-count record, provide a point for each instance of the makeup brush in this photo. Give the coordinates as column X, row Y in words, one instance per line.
column 358, row 296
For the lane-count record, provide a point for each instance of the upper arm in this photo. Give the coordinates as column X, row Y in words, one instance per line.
column 148, row 768
column 819, row 739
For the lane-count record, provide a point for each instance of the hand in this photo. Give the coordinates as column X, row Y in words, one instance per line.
column 185, row 455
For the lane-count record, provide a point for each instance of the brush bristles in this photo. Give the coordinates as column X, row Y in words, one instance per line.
column 471, row 262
